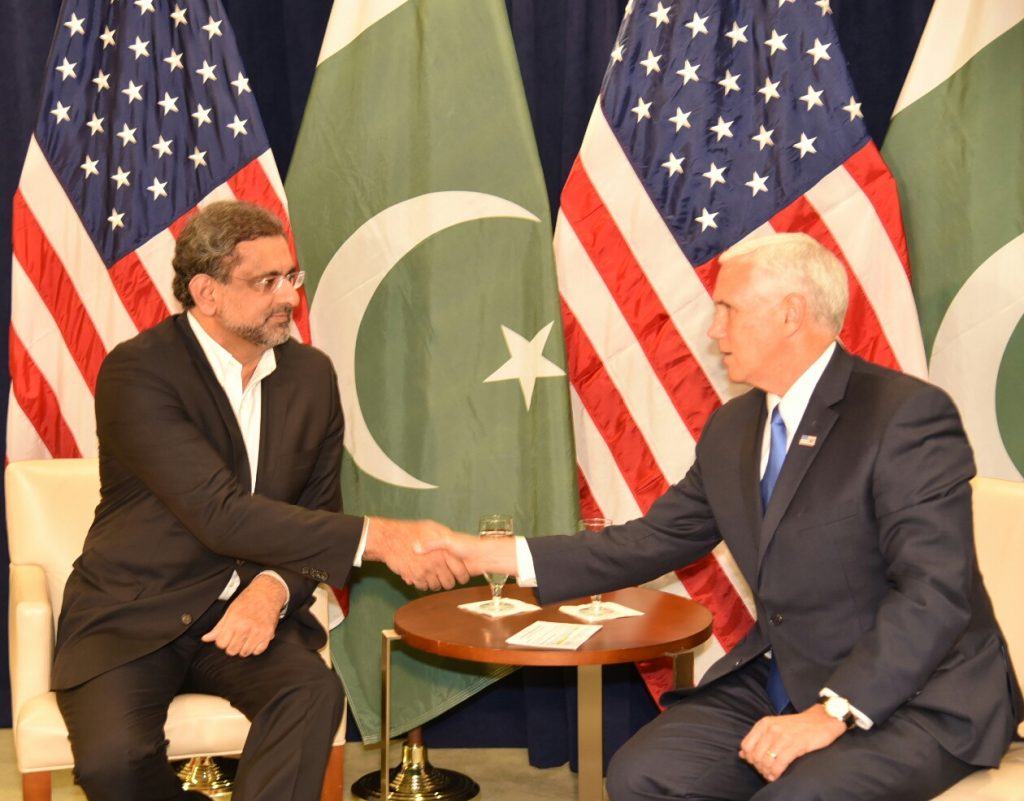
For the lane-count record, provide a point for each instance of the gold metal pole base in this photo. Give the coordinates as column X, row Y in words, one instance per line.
column 417, row 780
column 204, row 775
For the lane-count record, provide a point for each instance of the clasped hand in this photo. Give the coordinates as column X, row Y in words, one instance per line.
column 416, row 551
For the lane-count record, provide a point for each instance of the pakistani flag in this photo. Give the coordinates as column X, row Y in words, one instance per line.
column 421, row 219
column 956, row 147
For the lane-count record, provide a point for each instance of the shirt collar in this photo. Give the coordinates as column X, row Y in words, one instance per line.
column 226, row 368
column 793, row 404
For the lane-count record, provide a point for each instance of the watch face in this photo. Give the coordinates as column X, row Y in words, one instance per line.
column 838, row 708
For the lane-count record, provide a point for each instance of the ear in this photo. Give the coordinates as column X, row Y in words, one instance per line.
column 795, row 312
column 205, row 291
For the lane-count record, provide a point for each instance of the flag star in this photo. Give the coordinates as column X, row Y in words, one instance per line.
column 824, row 5
column 60, row 112
column 688, row 72
column 722, row 129
column 121, row 177
column 769, row 90
column 812, row 98
column 617, row 52
column 674, row 165
column 805, row 145
column 207, row 71
column 67, row 70
column 133, row 92
column 659, row 15
column 757, row 183
column 241, row 84
column 819, row 51
column 764, row 138
column 526, row 361
column 237, row 126
column 174, row 61
column 696, row 25
column 140, row 48
column 714, row 175
column 144, row 6
column 102, row 80
column 776, row 42
column 201, row 115
column 783, row 2
column 853, row 109
column 651, row 62
column 198, row 158
column 642, row 109
column 157, row 188
column 178, row 15
column 212, row 27
column 730, row 83
column 127, row 135
column 163, row 147
column 95, row 125
column 116, row 219
column 681, row 119
column 168, row 104
column 89, row 167
column 738, row 35
column 107, row 37
column 75, row 25
column 706, row 219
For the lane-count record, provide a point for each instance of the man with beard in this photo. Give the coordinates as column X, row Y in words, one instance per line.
column 220, row 447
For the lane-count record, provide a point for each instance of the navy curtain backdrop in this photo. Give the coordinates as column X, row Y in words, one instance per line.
column 563, row 48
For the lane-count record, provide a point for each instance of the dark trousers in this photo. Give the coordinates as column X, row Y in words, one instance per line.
column 691, row 751
column 116, row 720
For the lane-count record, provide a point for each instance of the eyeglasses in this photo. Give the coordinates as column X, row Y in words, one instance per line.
column 270, row 284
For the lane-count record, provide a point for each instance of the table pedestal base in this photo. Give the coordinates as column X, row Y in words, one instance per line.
column 415, row 779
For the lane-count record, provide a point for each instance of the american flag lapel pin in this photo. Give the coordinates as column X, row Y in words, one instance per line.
column 808, row 441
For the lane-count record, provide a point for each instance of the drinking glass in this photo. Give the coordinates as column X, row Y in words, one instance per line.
column 496, row 526
column 595, row 608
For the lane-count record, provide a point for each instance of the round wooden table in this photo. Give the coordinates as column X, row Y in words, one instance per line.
column 435, row 624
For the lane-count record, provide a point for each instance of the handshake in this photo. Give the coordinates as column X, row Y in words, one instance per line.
column 430, row 555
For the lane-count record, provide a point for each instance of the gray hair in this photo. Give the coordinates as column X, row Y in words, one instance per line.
column 207, row 243
column 800, row 262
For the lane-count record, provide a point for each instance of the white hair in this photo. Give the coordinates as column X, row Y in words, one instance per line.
column 803, row 264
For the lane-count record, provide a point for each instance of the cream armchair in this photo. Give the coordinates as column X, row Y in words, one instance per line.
column 49, row 509
column 999, row 535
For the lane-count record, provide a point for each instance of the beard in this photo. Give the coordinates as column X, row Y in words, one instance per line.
column 270, row 333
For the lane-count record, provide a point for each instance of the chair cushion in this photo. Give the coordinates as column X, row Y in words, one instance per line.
column 1006, row 783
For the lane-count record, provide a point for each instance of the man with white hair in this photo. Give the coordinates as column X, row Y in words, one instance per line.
column 876, row 669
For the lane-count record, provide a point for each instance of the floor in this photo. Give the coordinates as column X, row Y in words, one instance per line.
column 502, row 773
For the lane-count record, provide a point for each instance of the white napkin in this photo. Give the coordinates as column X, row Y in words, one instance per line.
column 612, row 610
column 510, row 606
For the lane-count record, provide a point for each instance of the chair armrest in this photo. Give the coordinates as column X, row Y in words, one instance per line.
column 30, row 628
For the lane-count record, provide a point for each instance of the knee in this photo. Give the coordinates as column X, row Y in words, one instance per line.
column 117, row 759
column 322, row 695
column 630, row 774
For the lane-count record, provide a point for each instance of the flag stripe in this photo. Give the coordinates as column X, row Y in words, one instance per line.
column 137, row 291
column 681, row 376
column 870, row 173
column 46, row 272
column 38, row 402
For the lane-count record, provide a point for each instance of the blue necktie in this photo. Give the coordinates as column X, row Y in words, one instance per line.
column 776, row 456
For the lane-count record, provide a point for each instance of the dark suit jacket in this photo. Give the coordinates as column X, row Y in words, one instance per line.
column 176, row 516
column 863, row 566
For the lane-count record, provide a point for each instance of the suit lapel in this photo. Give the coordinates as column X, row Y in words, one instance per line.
column 238, row 458
column 817, row 422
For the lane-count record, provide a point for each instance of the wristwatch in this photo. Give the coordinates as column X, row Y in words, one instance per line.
column 838, row 708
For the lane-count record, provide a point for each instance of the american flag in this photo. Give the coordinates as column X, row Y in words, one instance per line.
column 718, row 120
column 147, row 114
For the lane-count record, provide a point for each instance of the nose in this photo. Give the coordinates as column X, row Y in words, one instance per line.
column 286, row 293
column 715, row 329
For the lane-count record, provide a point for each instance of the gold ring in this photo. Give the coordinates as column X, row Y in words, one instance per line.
column 772, row 754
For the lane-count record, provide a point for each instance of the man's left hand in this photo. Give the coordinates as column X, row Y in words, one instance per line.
column 773, row 743
column 248, row 624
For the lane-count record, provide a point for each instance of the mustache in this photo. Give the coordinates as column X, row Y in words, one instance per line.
column 284, row 308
